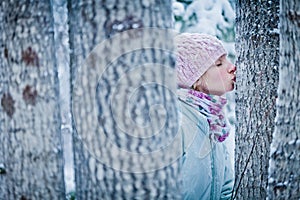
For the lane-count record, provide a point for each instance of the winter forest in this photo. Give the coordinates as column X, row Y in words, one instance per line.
column 88, row 96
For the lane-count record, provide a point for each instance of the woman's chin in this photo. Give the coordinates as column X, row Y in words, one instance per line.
column 230, row 88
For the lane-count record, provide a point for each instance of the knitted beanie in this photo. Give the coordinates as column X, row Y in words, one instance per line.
column 195, row 53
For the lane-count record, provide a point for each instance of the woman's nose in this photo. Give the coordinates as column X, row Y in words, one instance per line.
column 231, row 68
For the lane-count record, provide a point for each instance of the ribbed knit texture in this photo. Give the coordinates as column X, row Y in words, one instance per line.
column 195, row 54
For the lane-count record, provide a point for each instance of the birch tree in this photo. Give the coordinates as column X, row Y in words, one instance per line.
column 31, row 164
column 257, row 46
column 123, row 101
column 284, row 182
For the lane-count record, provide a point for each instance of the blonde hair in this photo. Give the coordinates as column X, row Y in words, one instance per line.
column 201, row 85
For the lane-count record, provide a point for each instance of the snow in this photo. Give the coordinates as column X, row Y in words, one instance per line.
column 178, row 9
column 63, row 60
column 213, row 14
column 2, row 165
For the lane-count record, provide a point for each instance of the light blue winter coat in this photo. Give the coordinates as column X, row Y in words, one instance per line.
column 206, row 171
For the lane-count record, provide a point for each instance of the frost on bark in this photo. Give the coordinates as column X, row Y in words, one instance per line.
column 257, row 46
column 124, row 111
column 31, row 164
column 284, row 181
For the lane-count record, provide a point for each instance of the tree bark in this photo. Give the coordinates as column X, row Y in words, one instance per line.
column 31, row 164
column 123, row 100
column 257, row 46
column 284, row 181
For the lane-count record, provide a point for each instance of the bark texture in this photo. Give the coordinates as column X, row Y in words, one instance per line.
column 257, row 46
column 31, row 164
column 284, row 182
column 123, row 104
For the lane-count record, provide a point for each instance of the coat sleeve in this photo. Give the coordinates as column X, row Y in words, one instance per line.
column 228, row 185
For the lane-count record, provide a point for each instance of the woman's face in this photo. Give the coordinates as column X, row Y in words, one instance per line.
column 219, row 78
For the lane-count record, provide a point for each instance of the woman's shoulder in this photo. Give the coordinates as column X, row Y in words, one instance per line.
column 194, row 127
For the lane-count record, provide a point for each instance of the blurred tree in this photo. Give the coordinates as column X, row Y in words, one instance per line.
column 31, row 162
column 257, row 47
column 284, row 181
column 123, row 105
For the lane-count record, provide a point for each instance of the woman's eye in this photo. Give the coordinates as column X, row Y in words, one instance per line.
column 218, row 64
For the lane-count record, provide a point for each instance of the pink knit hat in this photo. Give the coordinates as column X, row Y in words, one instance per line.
column 195, row 54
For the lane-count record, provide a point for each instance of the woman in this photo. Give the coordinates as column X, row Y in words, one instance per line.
column 204, row 74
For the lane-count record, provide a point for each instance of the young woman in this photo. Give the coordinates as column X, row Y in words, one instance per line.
column 204, row 74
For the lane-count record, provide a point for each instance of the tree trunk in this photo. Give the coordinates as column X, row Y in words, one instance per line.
column 284, row 182
column 31, row 164
column 123, row 102
column 257, row 46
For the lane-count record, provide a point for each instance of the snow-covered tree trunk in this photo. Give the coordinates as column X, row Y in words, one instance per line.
column 31, row 162
column 257, row 47
column 284, row 182
column 123, row 102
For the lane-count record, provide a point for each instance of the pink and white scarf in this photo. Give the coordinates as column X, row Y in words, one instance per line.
column 211, row 107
